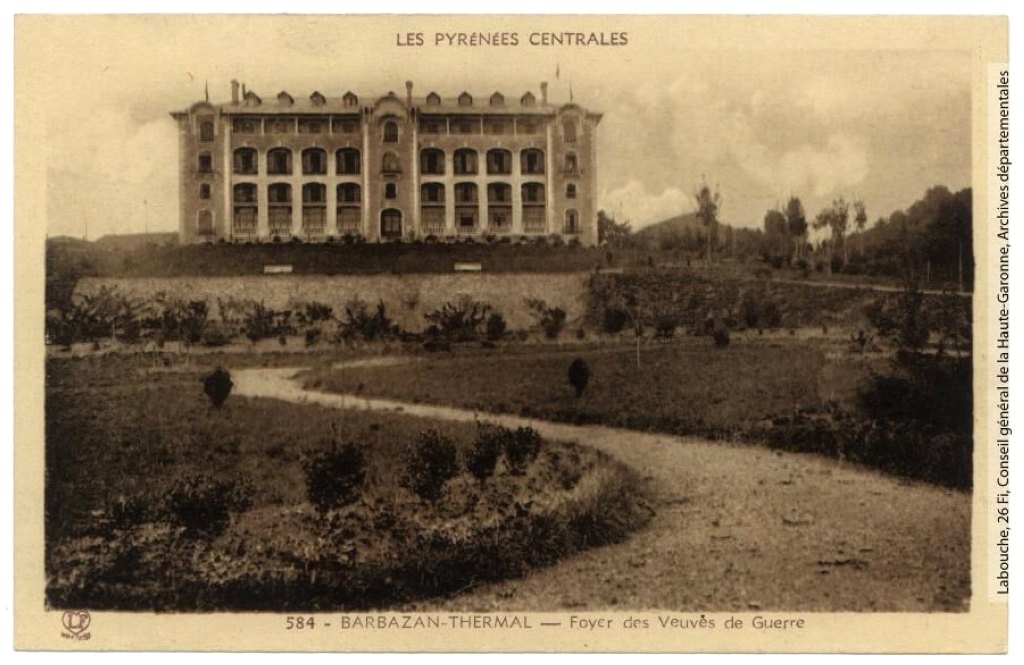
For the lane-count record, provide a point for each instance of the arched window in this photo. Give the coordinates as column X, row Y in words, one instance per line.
column 348, row 161
column 314, row 161
column 349, row 192
column 432, row 161
column 499, row 161
column 204, row 223
column 279, row 204
column 570, row 191
column 531, row 161
column 534, row 211
column 279, row 161
column 465, row 161
column 390, row 132
column 244, row 193
column 572, row 164
column 389, row 163
column 206, row 131
column 245, row 161
column 314, row 192
column 533, row 193
column 467, row 211
column 280, row 192
column 432, row 193
column 244, row 216
column 314, row 209
column 499, row 207
column 349, row 214
column 204, row 163
column 465, row 192
column 432, row 208
column 391, row 224
column 572, row 221
column 569, row 130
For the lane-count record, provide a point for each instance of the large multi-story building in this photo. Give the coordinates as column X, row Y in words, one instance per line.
column 387, row 169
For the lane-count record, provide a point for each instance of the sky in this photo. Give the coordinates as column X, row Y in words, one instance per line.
column 681, row 104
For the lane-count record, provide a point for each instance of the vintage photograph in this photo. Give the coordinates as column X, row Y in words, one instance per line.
column 458, row 315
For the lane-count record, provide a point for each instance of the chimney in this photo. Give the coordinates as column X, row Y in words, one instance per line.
column 408, row 92
column 544, row 92
column 244, row 93
column 234, row 92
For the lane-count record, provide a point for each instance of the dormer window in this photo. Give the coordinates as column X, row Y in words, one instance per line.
column 317, row 99
column 350, row 100
column 284, row 99
column 465, row 99
column 433, row 99
column 528, row 99
column 252, row 99
column 497, row 99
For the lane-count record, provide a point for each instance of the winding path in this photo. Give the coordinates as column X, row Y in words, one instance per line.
column 738, row 528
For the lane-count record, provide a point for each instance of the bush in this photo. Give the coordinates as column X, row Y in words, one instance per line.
column 312, row 336
column 335, row 477
column 459, row 321
column 521, row 448
column 217, row 386
column 550, row 319
column 370, row 326
column 432, row 464
column 665, row 327
column 721, row 337
column 614, row 320
column 215, row 336
column 496, row 326
column 579, row 376
column 483, row 456
column 204, row 506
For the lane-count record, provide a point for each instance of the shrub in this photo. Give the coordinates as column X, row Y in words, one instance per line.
column 215, row 336
column 370, row 326
column 550, row 319
column 459, row 321
column 259, row 322
column 483, row 456
column 496, row 326
column 432, row 464
column 204, row 506
column 721, row 337
column 335, row 477
column 579, row 376
column 665, row 327
column 521, row 448
column 614, row 320
column 312, row 336
column 217, row 386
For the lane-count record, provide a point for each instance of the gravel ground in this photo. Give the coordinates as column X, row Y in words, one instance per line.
column 738, row 528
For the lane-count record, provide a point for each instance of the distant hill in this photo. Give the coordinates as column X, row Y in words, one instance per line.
column 671, row 228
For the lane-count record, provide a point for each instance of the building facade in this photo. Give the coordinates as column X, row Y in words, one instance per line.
column 392, row 168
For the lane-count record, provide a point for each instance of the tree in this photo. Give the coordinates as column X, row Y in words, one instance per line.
column 835, row 218
column 611, row 232
column 796, row 221
column 708, row 205
column 860, row 220
column 776, row 229
column 217, row 386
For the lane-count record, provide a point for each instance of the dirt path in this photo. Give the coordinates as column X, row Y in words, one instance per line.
column 737, row 528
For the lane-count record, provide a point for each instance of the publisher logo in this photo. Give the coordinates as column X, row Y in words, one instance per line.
column 76, row 623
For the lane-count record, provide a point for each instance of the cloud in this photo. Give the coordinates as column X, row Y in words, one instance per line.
column 633, row 202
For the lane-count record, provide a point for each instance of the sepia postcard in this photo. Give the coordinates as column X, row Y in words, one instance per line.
column 512, row 333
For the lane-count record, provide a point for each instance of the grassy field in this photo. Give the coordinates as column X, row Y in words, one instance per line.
column 685, row 387
column 126, row 441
